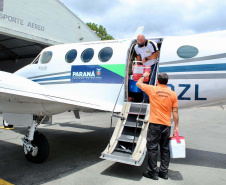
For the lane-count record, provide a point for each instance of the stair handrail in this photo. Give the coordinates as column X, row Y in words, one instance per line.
column 114, row 111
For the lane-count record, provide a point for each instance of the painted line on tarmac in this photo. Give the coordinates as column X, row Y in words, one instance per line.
column 3, row 182
column 6, row 129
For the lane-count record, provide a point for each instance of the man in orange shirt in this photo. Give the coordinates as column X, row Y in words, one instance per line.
column 163, row 101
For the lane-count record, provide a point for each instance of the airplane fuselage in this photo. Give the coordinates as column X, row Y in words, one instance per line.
column 196, row 67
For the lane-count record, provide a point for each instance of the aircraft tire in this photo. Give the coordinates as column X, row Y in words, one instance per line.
column 6, row 124
column 41, row 143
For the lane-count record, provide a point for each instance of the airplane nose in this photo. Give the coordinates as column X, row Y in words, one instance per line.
column 24, row 72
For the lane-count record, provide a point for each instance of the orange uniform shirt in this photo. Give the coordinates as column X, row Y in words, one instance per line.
column 162, row 100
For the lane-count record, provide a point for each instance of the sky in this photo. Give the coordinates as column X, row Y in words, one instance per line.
column 121, row 18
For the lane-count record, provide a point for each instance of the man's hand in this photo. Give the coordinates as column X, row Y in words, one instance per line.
column 146, row 74
column 175, row 130
column 143, row 61
column 141, row 80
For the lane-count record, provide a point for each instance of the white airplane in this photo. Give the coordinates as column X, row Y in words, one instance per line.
column 88, row 77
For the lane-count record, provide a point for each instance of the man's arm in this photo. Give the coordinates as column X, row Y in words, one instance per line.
column 138, row 58
column 175, row 118
column 152, row 57
column 141, row 80
column 137, row 53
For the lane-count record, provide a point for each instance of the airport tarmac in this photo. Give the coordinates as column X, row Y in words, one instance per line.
column 75, row 147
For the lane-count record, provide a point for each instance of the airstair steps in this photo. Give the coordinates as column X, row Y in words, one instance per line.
column 127, row 138
column 131, row 121
column 123, row 150
column 132, row 124
column 136, row 108
column 135, row 113
column 128, row 142
column 121, row 154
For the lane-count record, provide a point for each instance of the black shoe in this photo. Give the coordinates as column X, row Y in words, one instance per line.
column 163, row 175
column 151, row 176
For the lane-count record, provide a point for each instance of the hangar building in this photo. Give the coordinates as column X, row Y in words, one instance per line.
column 28, row 26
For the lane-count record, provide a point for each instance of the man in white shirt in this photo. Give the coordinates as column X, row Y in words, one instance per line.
column 147, row 52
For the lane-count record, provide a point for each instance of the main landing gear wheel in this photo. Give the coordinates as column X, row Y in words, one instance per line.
column 40, row 149
column 6, row 124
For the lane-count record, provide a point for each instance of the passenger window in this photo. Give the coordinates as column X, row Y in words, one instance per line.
column 187, row 51
column 105, row 54
column 71, row 56
column 36, row 60
column 46, row 57
column 87, row 55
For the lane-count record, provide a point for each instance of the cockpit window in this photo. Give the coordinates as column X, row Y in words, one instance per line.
column 87, row 55
column 36, row 60
column 71, row 56
column 187, row 51
column 105, row 54
column 46, row 57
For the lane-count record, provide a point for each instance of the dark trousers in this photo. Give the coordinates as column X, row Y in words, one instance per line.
column 153, row 74
column 158, row 135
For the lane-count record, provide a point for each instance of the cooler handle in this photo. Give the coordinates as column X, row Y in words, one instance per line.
column 177, row 137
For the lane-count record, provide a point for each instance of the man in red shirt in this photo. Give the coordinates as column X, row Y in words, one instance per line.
column 163, row 101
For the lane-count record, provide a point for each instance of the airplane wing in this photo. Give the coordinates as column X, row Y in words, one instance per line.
column 23, row 96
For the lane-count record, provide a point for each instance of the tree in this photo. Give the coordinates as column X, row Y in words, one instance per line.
column 100, row 31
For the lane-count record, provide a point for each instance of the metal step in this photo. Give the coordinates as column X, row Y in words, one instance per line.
column 127, row 138
column 136, row 107
column 119, row 157
column 125, row 147
column 136, row 113
column 132, row 124
column 131, row 121
column 124, row 150
column 123, row 158
column 121, row 154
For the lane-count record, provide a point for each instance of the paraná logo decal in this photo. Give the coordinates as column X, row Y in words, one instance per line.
column 94, row 74
column 98, row 71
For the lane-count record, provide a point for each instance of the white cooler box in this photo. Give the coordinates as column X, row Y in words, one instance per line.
column 177, row 147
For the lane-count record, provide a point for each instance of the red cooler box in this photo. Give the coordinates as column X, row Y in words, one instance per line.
column 139, row 70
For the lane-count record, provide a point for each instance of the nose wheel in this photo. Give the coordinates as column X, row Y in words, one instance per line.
column 36, row 151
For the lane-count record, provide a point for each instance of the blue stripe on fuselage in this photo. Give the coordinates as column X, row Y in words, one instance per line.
column 52, row 78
